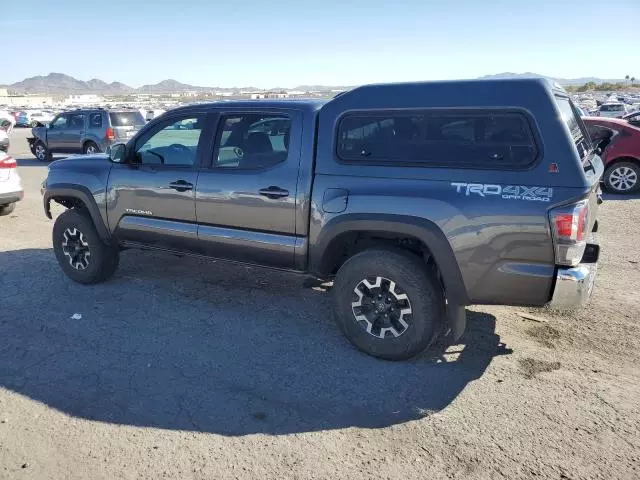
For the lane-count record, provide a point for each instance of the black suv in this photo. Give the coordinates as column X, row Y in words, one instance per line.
column 416, row 199
column 86, row 131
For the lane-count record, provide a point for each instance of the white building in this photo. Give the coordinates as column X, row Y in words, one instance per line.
column 85, row 99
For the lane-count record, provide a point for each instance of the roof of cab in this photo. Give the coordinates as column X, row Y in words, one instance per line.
column 311, row 105
column 488, row 85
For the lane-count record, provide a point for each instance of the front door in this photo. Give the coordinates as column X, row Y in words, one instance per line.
column 151, row 196
column 74, row 133
column 246, row 196
column 55, row 133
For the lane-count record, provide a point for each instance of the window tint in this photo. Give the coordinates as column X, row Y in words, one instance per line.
column 252, row 141
column 487, row 139
column 60, row 122
column 174, row 144
column 95, row 120
column 76, row 121
column 570, row 116
column 126, row 119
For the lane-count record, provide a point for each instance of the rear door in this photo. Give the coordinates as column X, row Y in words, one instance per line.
column 153, row 193
column 246, row 194
column 125, row 124
column 74, row 133
column 56, row 132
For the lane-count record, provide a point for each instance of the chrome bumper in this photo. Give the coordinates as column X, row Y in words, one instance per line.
column 573, row 286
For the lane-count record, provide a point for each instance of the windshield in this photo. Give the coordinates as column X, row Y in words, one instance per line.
column 612, row 108
column 126, row 119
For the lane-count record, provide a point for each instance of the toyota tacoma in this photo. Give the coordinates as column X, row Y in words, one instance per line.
column 415, row 199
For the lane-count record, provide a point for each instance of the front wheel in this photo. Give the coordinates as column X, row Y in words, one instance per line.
column 82, row 255
column 622, row 177
column 388, row 304
column 34, row 124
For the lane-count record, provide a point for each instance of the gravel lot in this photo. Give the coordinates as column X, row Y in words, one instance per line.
column 186, row 368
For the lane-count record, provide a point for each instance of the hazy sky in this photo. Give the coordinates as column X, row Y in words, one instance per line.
column 269, row 43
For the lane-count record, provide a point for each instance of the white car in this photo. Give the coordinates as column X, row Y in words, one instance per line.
column 612, row 110
column 10, row 184
column 6, row 125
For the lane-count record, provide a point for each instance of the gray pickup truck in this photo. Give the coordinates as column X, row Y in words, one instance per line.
column 416, row 199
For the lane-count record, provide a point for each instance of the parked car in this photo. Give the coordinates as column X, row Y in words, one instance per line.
column 33, row 119
column 619, row 140
column 6, row 125
column 415, row 199
column 612, row 110
column 633, row 118
column 87, row 131
column 10, row 184
column 151, row 114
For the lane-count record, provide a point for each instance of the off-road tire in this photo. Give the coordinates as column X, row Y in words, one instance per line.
column 103, row 259
column 411, row 276
column 7, row 209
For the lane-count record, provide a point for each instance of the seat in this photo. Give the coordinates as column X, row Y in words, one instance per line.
column 258, row 142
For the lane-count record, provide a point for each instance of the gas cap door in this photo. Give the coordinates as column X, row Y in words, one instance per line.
column 335, row 200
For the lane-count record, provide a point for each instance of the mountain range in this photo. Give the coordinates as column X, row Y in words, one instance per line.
column 61, row 84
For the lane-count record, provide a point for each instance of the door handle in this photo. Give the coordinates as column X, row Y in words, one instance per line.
column 273, row 192
column 181, row 185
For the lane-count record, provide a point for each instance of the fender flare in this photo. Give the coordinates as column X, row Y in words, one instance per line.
column 84, row 195
column 424, row 230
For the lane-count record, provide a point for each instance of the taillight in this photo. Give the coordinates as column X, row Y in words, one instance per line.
column 569, row 227
column 110, row 134
column 8, row 162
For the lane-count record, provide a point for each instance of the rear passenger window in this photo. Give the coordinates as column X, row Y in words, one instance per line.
column 474, row 140
column 95, row 120
column 252, row 141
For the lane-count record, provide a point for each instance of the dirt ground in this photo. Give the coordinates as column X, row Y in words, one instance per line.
column 192, row 369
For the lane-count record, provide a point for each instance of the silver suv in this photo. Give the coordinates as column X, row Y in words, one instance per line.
column 84, row 131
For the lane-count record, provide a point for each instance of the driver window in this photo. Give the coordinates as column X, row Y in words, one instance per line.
column 174, row 144
column 60, row 122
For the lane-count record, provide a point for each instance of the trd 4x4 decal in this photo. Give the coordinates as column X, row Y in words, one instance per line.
column 507, row 192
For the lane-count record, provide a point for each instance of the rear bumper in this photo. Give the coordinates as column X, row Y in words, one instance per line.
column 11, row 197
column 573, row 285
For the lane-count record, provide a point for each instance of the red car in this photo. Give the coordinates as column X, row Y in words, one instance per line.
column 619, row 140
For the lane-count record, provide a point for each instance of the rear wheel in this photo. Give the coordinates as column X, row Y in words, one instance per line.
column 7, row 209
column 41, row 152
column 388, row 304
column 622, row 177
column 34, row 124
column 83, row 256
column 90, row 148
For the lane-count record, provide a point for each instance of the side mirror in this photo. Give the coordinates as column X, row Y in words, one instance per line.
column 117, row 152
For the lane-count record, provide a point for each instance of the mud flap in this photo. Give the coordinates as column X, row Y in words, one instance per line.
column 457, row 319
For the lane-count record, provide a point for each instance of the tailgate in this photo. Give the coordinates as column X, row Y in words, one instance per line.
column 125, row 124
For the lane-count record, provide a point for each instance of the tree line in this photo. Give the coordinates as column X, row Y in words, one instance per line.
column 629, row 81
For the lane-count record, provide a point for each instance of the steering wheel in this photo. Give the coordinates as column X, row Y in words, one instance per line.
column 177, row 146
column 238, row 151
